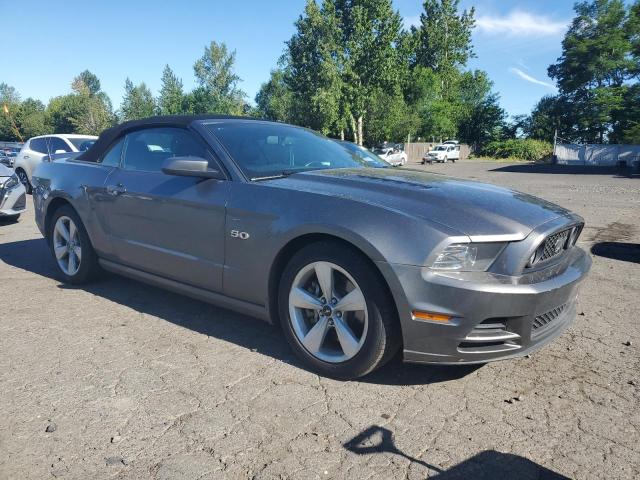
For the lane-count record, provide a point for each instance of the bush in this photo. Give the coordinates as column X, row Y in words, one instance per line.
column 519, row 148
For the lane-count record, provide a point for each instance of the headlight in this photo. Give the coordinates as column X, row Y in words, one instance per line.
column 12, row 182
column 466, row 257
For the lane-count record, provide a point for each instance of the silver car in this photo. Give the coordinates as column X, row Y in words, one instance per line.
column 13, row 199
column 279, row 222
column 40, row 149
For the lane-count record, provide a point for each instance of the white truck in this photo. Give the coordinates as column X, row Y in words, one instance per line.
column 444, row 152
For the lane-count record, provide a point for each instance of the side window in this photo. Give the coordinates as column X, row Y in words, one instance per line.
column 38, row 145
column 56, row 143
column 112, row 157
column 146, row 150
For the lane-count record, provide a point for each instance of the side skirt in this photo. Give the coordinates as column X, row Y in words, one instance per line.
column 217, row 299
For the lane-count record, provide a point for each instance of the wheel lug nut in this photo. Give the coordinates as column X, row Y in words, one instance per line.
column 323, row 300
column 339, row 314
column 333, row 301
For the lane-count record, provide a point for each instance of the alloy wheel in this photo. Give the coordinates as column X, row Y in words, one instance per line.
column 67, row 246
column 328, row 312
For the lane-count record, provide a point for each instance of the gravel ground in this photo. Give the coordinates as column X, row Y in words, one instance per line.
column 122, row 380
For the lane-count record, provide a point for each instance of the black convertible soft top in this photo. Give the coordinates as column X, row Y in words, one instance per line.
column 109, row 135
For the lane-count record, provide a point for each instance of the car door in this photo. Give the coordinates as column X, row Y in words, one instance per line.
column 171, row 226
column 33, row 155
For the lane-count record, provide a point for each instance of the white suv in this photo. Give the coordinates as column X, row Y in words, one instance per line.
column 443, row 153
column 37, row 148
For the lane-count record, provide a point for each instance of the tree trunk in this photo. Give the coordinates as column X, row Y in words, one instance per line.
column 354, row 129
column 342, row 134
column 360, row 130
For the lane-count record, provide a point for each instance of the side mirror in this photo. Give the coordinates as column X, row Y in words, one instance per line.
column 190, row 167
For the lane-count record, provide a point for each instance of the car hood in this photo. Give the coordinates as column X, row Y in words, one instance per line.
column 471, row 208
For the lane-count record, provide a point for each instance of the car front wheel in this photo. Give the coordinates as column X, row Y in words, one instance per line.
column 336, row 312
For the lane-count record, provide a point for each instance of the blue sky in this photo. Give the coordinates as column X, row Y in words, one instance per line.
column 47, row 43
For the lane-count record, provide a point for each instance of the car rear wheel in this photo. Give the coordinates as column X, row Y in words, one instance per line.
column 71, row 248
column 336, row 312
column 24, row 179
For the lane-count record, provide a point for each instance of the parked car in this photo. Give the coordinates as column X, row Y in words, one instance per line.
column 279, row 222
column 370, row 159
column 392, row 155
column 13, row 198
column 443, row 153
column 8, row 158
column 36, row 149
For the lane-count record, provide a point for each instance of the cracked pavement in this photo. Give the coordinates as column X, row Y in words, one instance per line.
column 141, row 383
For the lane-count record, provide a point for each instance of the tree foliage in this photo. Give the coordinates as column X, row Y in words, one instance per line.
column 218, row 90
column 171, row 100
column 596, row 74
column 138, row 102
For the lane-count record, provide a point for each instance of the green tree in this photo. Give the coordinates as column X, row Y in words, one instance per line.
column 138, row 102
column 171, row 100
column 9, row 99
column 371, row 34
column 481, row 119
column 94, row 110
column 90, row 80
column 313, row 68
column 593, row 68
column 444, row 38
column 274, row 100
column 218, row 90
column 31, row 119
column 62, row 110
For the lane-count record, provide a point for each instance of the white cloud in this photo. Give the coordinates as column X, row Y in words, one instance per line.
column 520, row 23
column 529, row 78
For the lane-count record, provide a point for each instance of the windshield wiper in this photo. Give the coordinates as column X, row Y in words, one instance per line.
column 284, row 173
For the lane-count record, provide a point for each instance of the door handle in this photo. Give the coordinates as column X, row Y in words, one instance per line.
column 116, row 189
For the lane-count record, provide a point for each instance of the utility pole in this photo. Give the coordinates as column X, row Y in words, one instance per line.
column 555, row 141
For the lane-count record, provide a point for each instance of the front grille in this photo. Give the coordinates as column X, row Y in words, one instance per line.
column 21, row 202
column 544, row 320
column 555, row 245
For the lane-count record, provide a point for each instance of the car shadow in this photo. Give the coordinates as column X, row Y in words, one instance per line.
column 547, row 168
column 486, row 465
column 626, row 252
column 34, row 256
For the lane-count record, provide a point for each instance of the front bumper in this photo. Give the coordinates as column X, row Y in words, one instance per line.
column 494, row 316
column 13, row 201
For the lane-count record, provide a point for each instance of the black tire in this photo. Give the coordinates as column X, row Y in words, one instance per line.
column 24, row 179
column 383, row 337
column 89, row 268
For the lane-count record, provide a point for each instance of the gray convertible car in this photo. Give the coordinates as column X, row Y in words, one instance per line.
column 354, row 260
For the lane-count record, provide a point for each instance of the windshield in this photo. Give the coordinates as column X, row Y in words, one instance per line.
column 82, row 143
column 369, row 158
column 265, row 149
column 440, row 148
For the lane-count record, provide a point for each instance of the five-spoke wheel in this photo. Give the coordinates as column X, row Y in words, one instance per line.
column 328, row 312
column 336, row 311
column 67, row 246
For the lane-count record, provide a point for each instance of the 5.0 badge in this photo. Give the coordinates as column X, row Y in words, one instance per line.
column 239, row 234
